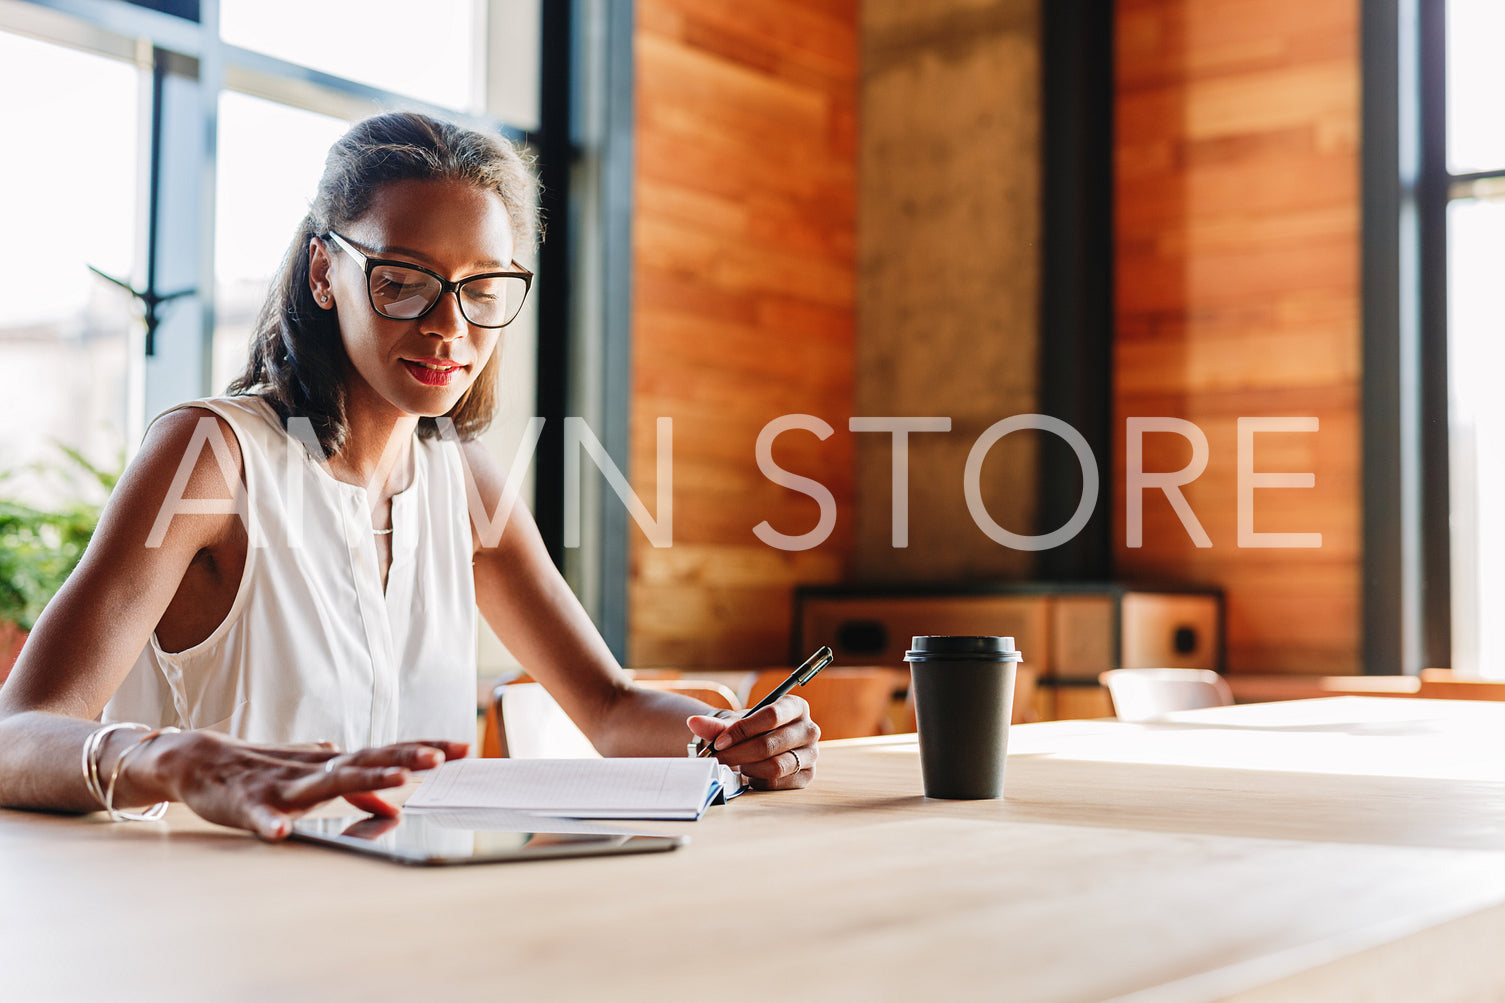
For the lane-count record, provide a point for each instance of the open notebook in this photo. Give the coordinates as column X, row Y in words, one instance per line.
column 668, row 789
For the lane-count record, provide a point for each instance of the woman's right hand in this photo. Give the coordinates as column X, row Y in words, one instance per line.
column 264, row 787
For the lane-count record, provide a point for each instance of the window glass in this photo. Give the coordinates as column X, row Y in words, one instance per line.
column 512, row 74
column 428, row 51
column 1476, row 360
column 253, row 233
column 1475, row 80
column 66, row 335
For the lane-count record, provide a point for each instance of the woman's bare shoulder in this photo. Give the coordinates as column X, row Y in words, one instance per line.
column 188, row 455
column 196, row 440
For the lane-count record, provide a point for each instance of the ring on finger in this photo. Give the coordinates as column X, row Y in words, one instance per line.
column 329, row 764
column 797, row 764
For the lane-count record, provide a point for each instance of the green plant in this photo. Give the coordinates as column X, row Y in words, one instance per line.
column 39, row 547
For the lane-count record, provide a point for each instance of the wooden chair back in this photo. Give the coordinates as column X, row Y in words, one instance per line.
column 524, row 722
column 846, row 702
column 716, row 694
column 1441, row 684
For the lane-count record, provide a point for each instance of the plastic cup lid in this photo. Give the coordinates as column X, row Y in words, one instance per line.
column 942, row 646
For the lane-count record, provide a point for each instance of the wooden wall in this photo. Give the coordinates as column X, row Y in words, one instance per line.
column 1238, row 228
column 744, row 310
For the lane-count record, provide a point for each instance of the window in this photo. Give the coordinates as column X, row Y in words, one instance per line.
column 251, row 234
column 1474, row 154
column 68, row 338
column 428, row 51
column 1434, row 245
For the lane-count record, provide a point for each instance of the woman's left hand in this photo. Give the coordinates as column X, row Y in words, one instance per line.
column 776, row 748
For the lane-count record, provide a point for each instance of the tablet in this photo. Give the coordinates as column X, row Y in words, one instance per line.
column 429, row 840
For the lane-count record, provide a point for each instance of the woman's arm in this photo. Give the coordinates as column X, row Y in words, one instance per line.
column 529, row 605
column 90, row 635
column 261, row 788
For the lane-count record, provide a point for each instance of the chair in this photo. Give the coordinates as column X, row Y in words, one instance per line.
column 524, row 722
column 1441, row 684
column 1147, row 694
column 846, row 702
column 1026, row 690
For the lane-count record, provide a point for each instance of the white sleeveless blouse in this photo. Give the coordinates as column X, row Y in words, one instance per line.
column 311, row 648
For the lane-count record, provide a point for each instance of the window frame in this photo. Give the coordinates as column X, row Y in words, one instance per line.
column 1438, row 189
column 1406, row 189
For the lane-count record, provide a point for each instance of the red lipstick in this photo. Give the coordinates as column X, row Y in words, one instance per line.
column 433, row 372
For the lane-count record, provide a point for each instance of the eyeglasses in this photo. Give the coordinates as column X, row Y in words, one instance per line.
column 399, row 290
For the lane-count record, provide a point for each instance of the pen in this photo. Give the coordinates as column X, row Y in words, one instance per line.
column 798, row 677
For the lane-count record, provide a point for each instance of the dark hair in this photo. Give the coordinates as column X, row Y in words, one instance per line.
column 297, row 356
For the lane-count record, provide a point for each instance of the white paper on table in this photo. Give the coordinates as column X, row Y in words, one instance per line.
column 575, row 788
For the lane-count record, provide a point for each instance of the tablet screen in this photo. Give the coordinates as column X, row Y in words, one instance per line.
column 428, row 839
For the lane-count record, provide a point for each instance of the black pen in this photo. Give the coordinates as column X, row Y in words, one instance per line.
column 798, row 677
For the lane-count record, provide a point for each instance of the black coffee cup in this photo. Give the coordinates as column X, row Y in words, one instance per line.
column 964, row 698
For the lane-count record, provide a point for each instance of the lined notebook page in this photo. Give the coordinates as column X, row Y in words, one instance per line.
column 573, row 788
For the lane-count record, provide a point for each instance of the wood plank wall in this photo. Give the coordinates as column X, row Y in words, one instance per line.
column 1238, row 228
column 743, row 310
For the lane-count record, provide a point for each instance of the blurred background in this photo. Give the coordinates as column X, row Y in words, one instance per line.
column 1197, row 209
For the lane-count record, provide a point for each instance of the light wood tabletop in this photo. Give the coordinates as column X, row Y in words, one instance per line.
column 1336, row 848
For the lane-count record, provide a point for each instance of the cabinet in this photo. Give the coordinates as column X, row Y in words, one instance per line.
column 1067, row 633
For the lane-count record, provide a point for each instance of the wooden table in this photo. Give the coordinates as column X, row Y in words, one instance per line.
column 1314, row 849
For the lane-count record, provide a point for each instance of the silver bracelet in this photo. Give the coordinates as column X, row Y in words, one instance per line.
column 93, row 745
column 151, row 814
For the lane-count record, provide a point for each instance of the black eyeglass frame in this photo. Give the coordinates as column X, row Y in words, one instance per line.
column 368, row 264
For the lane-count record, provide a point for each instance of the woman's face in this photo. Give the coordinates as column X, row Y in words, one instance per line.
column 419, row 367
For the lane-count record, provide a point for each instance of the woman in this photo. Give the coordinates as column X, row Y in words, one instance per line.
column 299, row 564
